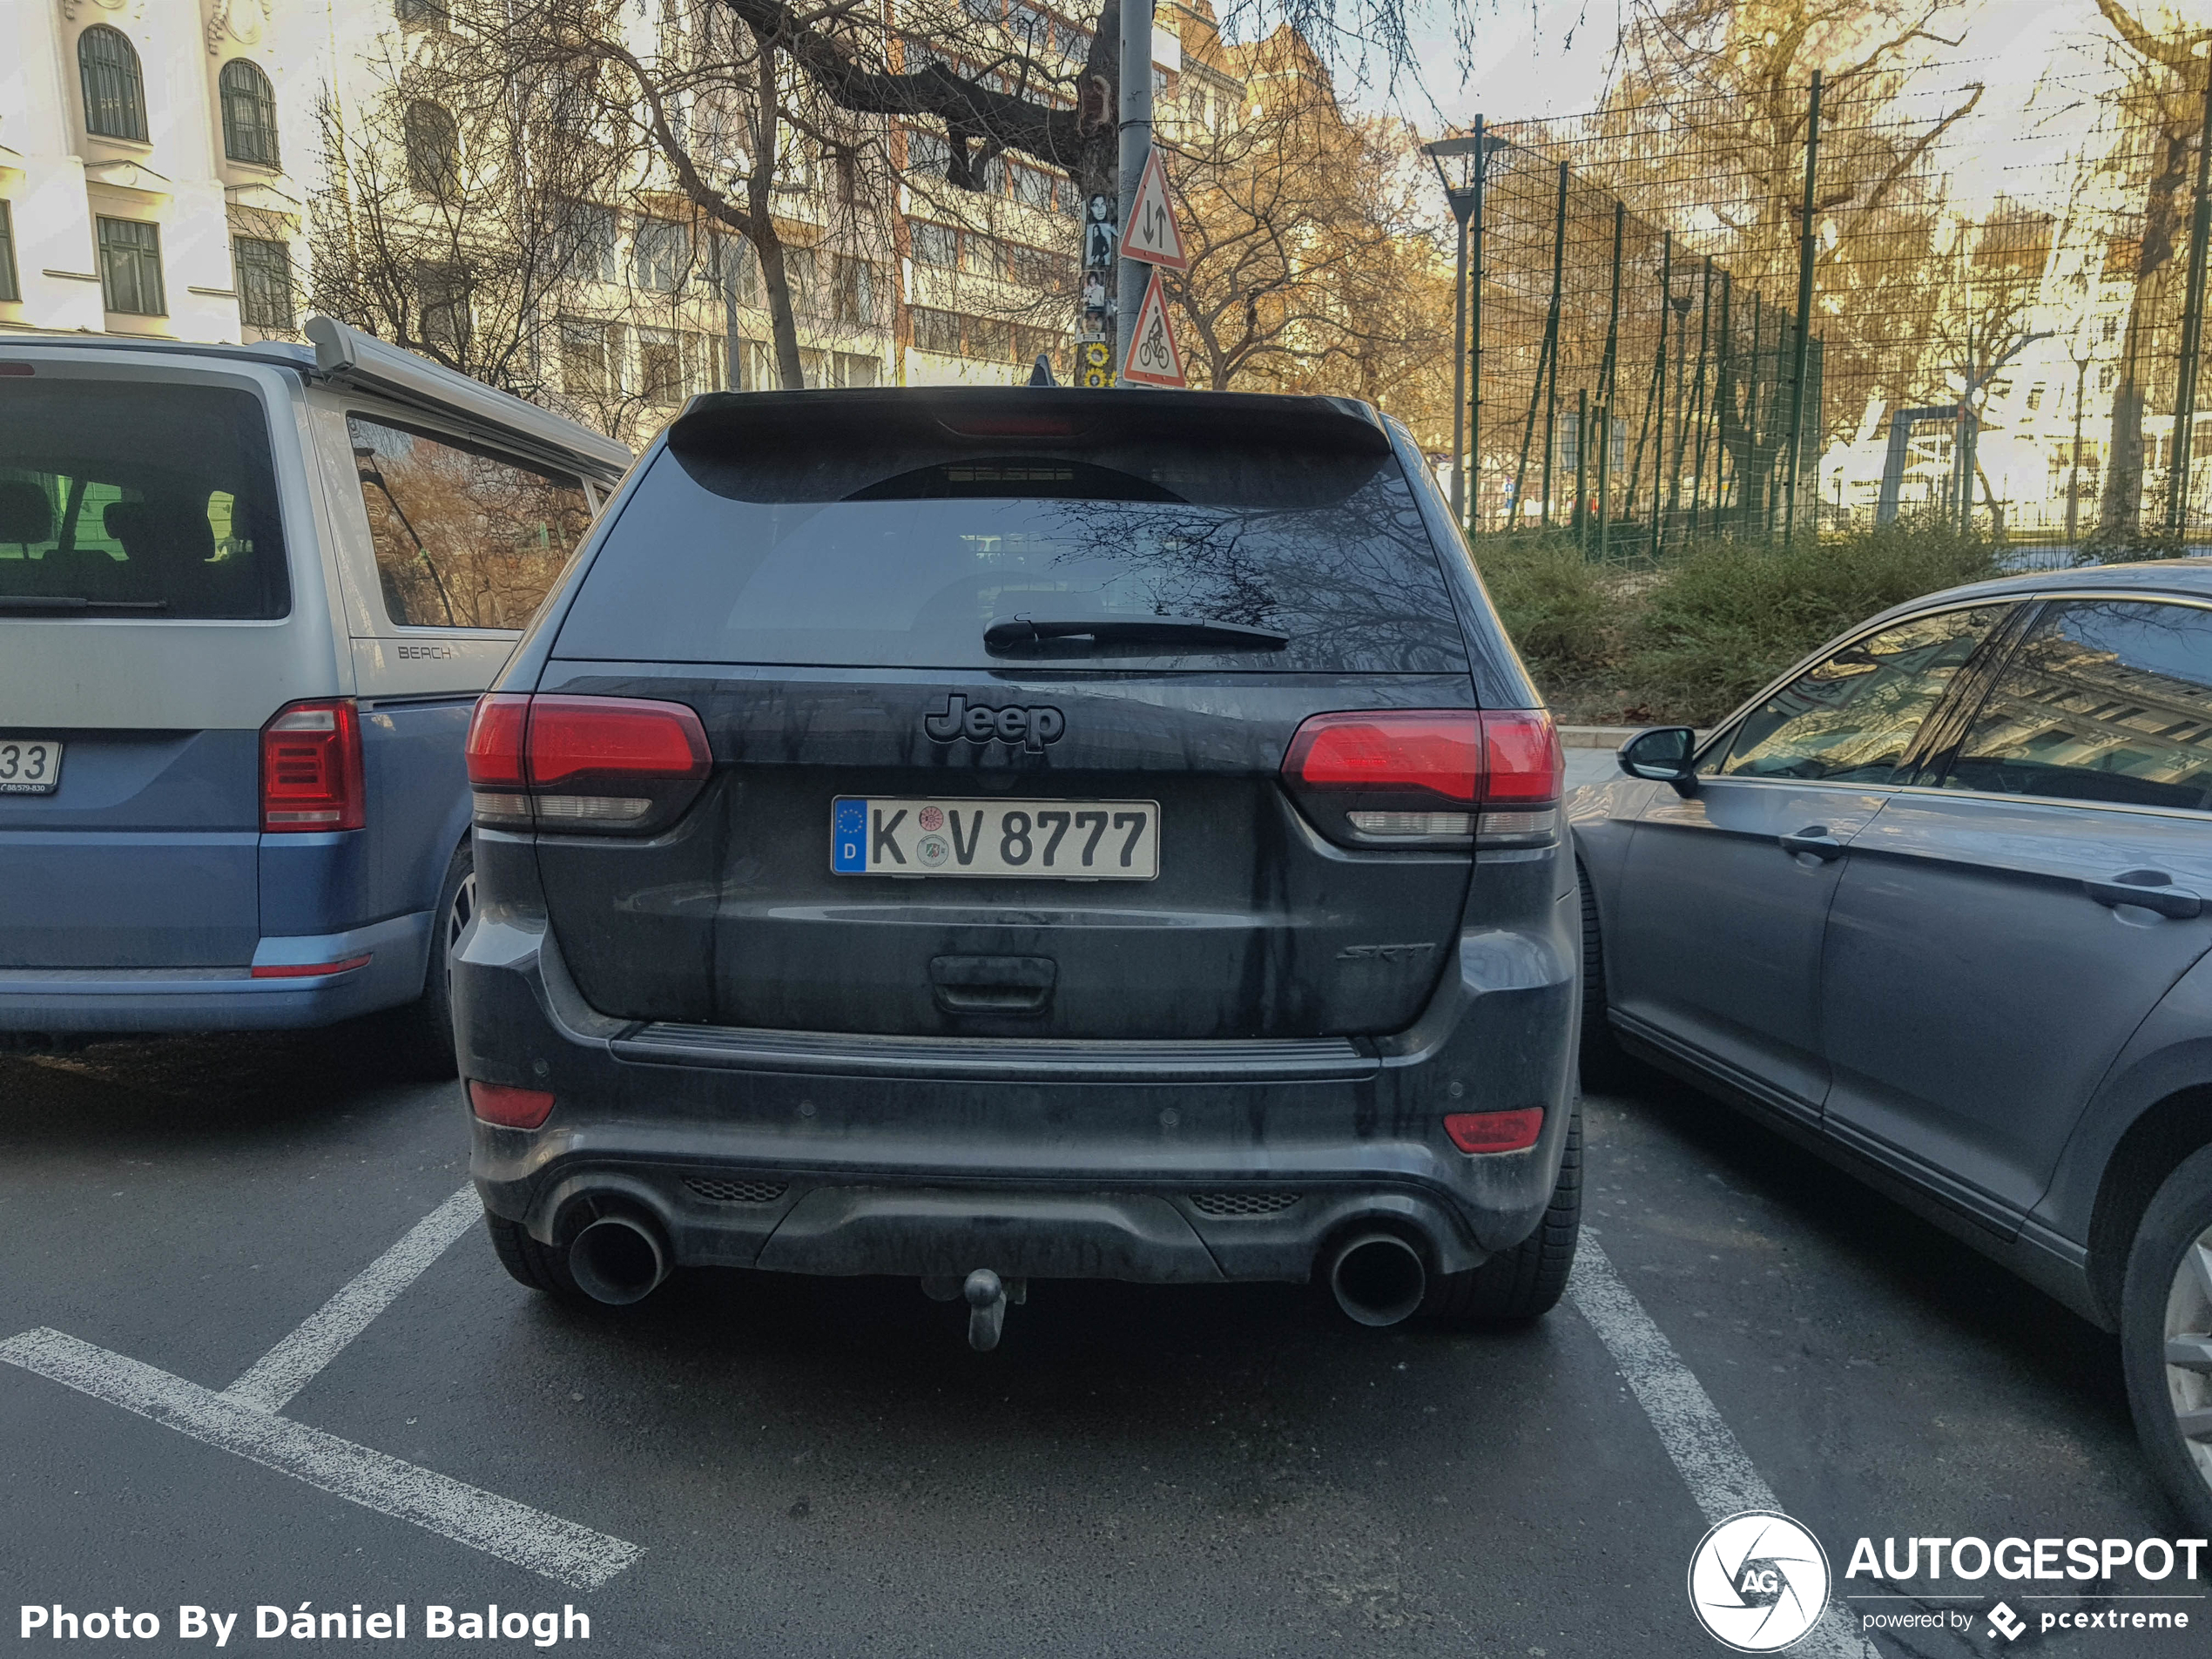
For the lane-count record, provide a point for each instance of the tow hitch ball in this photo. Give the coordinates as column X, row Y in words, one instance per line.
column 986, row 1296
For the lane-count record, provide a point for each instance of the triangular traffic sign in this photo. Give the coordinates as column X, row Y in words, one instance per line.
column 1151, row 233
column 1153, row 358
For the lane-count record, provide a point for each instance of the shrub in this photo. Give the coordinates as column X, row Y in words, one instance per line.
column 1688, row 639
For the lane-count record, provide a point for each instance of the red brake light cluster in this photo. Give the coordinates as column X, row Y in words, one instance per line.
column 584, row 763
column 1428, row 776
column 311, row 768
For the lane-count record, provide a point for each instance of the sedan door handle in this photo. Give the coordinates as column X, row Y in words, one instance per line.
column 2152, row 889
column 1815, row 840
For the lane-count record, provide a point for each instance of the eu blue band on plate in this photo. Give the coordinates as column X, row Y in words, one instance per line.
column 848, row 834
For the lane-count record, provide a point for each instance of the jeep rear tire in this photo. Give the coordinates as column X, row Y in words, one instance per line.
column 1526, row 1282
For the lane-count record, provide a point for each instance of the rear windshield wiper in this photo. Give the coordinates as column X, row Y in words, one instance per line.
column 38, row 605
column 1188, row 633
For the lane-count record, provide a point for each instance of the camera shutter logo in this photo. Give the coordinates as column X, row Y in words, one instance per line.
column 1758, row 1581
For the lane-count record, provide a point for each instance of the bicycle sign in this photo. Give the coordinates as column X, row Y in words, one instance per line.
column 1153, row 358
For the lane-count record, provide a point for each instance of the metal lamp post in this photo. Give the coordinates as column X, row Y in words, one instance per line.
column 1459, row 168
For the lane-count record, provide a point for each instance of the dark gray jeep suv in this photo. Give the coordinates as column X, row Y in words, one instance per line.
column 989, row 835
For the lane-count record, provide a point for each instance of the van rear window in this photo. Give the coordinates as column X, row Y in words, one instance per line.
column 135, row 499
column 917, row 555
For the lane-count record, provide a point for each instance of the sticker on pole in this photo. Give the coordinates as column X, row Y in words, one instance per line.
column 1153, row 358
column 1151, row 233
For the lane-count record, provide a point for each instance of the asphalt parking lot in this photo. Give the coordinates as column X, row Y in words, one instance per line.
column 758, row 1465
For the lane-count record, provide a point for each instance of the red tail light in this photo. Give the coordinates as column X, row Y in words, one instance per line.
column 586, row 763
column 1427, row 777
column 1492, row 1132
column 509, row 1108
column 496, row 740
column 311, row 768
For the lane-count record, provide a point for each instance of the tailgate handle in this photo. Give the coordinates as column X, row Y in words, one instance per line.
column 993, row 984
column 2151, row 889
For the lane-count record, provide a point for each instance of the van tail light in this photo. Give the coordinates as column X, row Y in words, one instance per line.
column 311, row 768
column 1428, row 776
column 583, row 763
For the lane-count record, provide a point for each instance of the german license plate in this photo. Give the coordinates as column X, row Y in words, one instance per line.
column 1081, row 840
column 30, row 765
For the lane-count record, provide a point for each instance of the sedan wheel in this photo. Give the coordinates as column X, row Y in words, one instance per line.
column 2166, row 1335
column 2189, row 1351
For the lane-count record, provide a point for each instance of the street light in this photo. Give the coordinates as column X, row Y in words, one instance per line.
column 1459, row 164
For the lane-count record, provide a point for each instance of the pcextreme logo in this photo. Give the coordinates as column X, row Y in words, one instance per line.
column 1758, row 1581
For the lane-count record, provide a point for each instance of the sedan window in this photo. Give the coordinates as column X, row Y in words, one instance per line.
column 1852, row 719
column 2106, row 699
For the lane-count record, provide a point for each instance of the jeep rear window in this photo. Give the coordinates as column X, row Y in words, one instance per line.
column 912, row 555
column 137, row 499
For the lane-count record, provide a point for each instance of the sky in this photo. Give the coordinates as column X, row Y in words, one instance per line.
column 1545, row 57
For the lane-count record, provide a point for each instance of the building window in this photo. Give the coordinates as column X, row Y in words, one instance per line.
column 660, row 367
column 423, row 14
column 131, row 267
column 115, row 92
column 433, row 150
column 936, row 331
column 584, row 359
column 264, row 283
column 855, row 293
column 663, row 252
column 249, row 114
column 737, row 273
column 935, row 243
column 442, row 301
column 9, row 289
column 588, row 240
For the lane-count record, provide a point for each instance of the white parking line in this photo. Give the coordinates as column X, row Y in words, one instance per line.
column 293, row 1363
column 1721, row 1478
column 530, row 1538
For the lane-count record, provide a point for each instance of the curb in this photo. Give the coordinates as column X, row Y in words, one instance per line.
column 1596, row 737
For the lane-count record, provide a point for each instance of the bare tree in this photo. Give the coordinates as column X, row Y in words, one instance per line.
column 2165, row 97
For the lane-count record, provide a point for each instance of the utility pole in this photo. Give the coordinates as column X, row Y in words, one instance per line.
column 1136, row 117
column 1806, row 244
column 1459, row 168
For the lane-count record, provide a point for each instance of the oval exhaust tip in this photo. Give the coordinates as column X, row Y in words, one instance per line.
column 1378, row 1278
column 617, row 1260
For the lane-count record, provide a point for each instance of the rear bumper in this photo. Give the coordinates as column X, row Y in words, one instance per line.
column 116, row 1001
column 1166, row 1163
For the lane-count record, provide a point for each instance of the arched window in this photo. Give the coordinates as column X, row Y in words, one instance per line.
column 433, row 150
column 115, row 92
column 249, row 114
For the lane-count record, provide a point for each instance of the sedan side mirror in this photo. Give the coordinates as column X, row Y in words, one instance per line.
column 1663, row 755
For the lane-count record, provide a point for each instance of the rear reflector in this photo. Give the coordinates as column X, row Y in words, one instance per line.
column 311, row 768
column 306, row 970
column 509, row 1108
column 1492, row 1132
